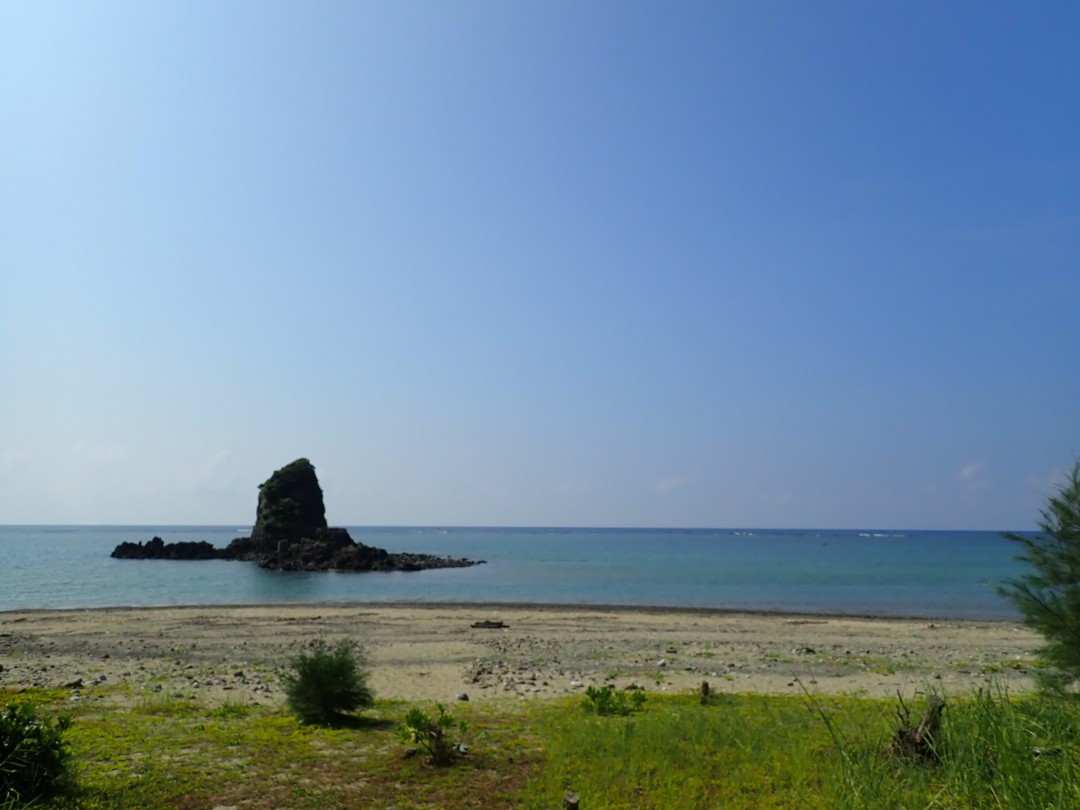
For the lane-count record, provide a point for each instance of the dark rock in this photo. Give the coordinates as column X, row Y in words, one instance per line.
column 290, row 507
column 291, row 534
column 158, row 549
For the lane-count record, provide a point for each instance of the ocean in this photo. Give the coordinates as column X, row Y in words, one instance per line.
column 930, row 574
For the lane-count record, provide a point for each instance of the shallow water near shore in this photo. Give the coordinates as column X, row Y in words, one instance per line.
column 873, row 573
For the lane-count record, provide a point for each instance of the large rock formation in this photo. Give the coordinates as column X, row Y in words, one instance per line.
column 290, row 534
column 290, row 507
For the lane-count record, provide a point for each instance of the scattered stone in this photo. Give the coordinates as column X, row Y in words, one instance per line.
column 1039, row 751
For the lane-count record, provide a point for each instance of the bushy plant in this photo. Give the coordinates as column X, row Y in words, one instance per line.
column 1049, row 596
column 34, row 759
column 433, row 735
column 608, row 701
column 327, row 683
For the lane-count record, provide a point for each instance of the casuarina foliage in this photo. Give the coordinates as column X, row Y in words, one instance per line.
column 34, row 759
column 1048, row 596
column 327, row 683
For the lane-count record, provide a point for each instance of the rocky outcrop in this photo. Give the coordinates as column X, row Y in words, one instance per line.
column 335, row 550
column 328, row 550
column 290, row 534
column 290, row 507
column 158, row 549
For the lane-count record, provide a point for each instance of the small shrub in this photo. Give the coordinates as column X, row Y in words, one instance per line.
column 327, row 684
column 34, row 758
column 608, row 701
column 433, row 735
column 229, row 709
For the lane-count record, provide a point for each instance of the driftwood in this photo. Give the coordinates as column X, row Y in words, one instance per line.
column 490, row 625
column 917, row 742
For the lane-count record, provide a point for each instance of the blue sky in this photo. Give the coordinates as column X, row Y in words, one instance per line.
column 726, row 264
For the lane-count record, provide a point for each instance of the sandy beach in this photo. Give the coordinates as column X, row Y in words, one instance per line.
column 433, row 652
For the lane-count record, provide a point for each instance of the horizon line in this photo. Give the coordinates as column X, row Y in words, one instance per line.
column 521, row 527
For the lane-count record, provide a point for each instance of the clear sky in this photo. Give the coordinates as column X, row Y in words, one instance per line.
column 719, row 264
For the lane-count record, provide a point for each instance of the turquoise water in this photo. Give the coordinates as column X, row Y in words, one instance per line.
column 924, row 573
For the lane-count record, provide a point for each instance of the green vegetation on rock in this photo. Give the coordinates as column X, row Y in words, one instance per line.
column 290, row 505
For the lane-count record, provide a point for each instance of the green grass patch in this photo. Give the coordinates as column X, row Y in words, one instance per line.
column 740, row 751
column 995, row 750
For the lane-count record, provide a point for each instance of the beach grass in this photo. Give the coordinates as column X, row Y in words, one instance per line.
column 162, row 750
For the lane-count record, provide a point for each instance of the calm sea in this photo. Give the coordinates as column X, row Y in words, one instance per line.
column 881, row 573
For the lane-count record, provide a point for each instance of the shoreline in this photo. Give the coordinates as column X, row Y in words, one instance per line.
column 539, row 606
column 431, row 651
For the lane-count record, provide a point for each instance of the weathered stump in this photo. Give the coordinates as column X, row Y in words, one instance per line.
column 917, row 742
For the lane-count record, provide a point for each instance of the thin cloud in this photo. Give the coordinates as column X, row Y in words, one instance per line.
column 971, row 476
column 97, row 454
column 574, row 488
column 667, row 485
column 13, row 458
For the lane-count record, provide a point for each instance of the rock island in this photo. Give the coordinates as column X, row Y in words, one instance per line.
column 291, row 534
